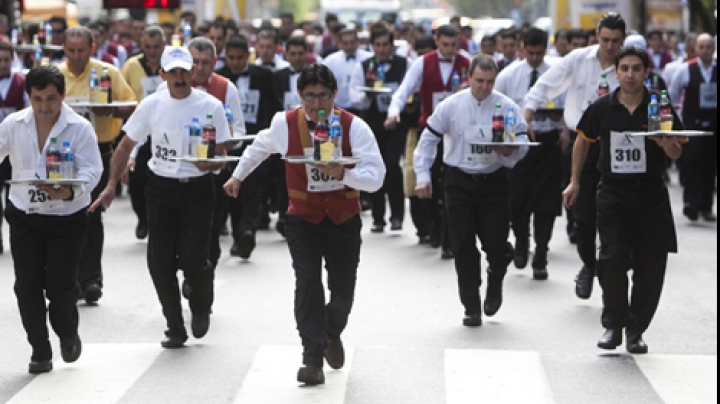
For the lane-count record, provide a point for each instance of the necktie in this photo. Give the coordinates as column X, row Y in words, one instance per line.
column 533, row 78
column 350, row 57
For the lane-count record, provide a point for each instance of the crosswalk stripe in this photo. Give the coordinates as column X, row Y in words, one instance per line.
column 681, row 378
column 491, row 376
column 272, row 379
column 103, row 374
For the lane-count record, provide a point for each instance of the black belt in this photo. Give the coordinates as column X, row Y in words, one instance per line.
column 499, row 173
column 184, row 180
column 550, row 137
column 106, row 148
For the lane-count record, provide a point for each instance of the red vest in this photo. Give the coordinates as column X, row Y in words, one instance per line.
column 216, row 86
column 313, row 207
column 14, row 98
column 432, row 81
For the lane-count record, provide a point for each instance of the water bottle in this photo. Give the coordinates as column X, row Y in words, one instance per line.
column 455, row 82
column 194, row 136
column 229, row 118
column 187, row 33
column 208, row 136
column 53, row 161
column 666, row 115
column 603, row 87
column 498, row 125
column 94, row 84
column 380, row 76
column 38, row 52
column 653, row 114
column 67, row 162
column 48, row 33
column 336, row 135
column 648, row 85
column 510, row 122
column 14, row 36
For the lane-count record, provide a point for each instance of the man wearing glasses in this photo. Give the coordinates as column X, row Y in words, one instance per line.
column 323, row 217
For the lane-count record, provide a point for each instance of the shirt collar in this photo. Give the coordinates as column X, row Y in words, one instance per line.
column 615, row 101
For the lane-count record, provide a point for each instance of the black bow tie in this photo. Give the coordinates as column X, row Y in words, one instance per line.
column 311, row 125
column 445, row 60
column 246, row 73
column 350, row 57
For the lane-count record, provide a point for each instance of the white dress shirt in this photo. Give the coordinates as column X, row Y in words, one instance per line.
column 368, row 175
column 461, row 116
column 413, row 80
column 342, row 67
column 19, row 140
column 514, row 82
column 167, row 120
column 682, row 79
column 579, row 72
column 671, row 69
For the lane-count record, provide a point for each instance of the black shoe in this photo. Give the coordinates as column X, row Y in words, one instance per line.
column 224, row 231
column 584, row 283
column 434, row 241
column 472, row 320
column 37, row 367
column 377, row 228
column 280, row 227
column 186, row 289
column 235, row 249
column 540, row 274
column 611, row 339
column 520, row 258
column 70, row 348
column 493, row 301
column 141, row 231
column 247, row 244
column 200, row 324
column 311, row 375
column 422, row 240
column 395, row 224
column 447, row 254
column 707, row 216
column 92, row 293
column 637, row 346
column 572, row 237
column 172, row 342
column 335, row 353
column 691, row 212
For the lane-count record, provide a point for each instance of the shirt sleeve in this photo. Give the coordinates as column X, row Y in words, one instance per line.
column 232, row 97
column 551, row 84
column 136, row 127
column 589, row 125
column 268, row 141
column 679, row 82
column 369, row 174
column 358, row 97
column 426, row 150
column 412, row 80
column 4, row 139
column 87, row 160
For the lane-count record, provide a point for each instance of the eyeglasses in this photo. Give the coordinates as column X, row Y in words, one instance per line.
column 312, row 96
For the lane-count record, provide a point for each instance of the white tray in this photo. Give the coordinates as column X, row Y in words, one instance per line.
column 218, row 159
column 243, row 138
column 36, row 181
column 514, row 144
column 382, row 90
column 688, row 133
column 25, row 48
column 114, row 104
column 344, row 161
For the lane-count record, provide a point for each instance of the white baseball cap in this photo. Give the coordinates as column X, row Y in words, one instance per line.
column 637, row 41
column 176, row 56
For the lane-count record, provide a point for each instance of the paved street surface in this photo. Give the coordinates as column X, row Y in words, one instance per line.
column 405, row 343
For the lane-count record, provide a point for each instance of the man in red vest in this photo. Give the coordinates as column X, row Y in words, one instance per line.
column 323, row 217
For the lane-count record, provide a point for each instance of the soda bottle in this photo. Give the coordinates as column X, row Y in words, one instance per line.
column 336, row 135
column 653, row 114
column 94, row 84
column 463, row 77
column 38, row 55
column 52, row 161
column 604, row 87
column 48, row 33
column 229, row 117
column 498, row 125
column 194, row 136
column 455, row 82
column 208, row 136
column 187, row 33
column 379, row 76
column 67, row 162
column 510, row 122
column 321, row 135
column 14, row 36
column 666, row 115
column 370, row 75
column 105, row 95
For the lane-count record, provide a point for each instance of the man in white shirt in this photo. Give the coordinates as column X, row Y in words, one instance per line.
column 180, row 195
column 323, row 220
column 672, row 68
column 475, row 183
column 48, row 222
column 343, row 62
column 267, row 51
column 580, row 73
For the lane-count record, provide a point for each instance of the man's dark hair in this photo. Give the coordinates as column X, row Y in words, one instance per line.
column 41, row 77
column 536, row 37
column 655, row 32
column 291, row 16
column 268, row 33
column 590, row 32
column 237, row 42
column 425, row 41
column 612, row 21
column 187, row 13
column 379, row 30
column 483, row 62
column 509, row 33
column 221, row 25
column 455, row 18
column 316, row 74
column 447, row 30
column 626, row 51
column 296, row 40
column 561, row 34
column 331, row 17
column 5, row 46
column 576, row 33
column 488, row 38
column 61, row 20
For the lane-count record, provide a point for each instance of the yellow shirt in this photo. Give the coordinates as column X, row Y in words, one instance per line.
column 106, row 128
column 137, row 77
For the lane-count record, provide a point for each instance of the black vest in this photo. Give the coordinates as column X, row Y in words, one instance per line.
column 693, row 116
column 396, row 74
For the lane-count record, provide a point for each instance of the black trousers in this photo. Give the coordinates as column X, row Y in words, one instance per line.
column 180, row 216
column 246, row 209
column 5, row 174
column 392, row 146
column 90, row 270
column 636, row 232
column 219, row 216
column 339, row 246
column 46, row 251
column 138, row 181
column 477, row 208
column 698, row 171
column 421, row 212
column 585, row 212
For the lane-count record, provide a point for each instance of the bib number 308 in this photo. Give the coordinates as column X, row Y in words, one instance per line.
column 319, row 176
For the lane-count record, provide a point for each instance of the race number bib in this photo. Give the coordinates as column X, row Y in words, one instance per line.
column 384, row 99
column 291, row 100
column 708, row 96
column 317, row 180
column 439, row 97
column 250, row 104
column 627, row 154
column 150, row 85
column 167, row 144
column 36, row 200
column 4, row 112
column 477, row 154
